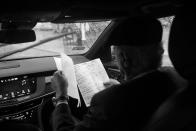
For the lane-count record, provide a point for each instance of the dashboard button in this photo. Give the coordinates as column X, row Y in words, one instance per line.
column 23, row 91
column 5, row 98
column 12, row 94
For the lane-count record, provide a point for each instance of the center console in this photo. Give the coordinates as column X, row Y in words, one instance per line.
column 22, row 90
column 21, row 95
column 12, row 88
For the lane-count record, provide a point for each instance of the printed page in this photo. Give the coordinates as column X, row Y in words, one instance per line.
column 66, row 65
column 90, row 77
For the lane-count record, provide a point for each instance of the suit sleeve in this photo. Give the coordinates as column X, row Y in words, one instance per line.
column 63, row 121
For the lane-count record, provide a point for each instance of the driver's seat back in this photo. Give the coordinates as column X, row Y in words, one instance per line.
column 179, row 112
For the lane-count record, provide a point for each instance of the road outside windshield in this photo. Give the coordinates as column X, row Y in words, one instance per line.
column 84, row 36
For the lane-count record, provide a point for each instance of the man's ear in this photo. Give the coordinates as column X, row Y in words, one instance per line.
column 124, row 60
column 161, row 50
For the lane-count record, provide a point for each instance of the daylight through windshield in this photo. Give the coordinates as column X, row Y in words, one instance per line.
column 85, row 34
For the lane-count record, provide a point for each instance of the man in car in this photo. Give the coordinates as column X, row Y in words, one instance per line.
column 126, row 106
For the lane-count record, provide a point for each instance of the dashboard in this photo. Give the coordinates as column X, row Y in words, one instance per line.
column 25, row 83
column 19, row 95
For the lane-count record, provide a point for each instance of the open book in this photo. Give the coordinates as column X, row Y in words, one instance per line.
column 88, row 77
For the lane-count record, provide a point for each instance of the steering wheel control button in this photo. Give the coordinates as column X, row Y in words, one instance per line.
column 23, row 98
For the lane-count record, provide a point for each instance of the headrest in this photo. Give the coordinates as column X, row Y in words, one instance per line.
column 136, row 31
column 182, row 43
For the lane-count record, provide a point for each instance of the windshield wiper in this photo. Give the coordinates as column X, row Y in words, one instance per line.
column 34, row 45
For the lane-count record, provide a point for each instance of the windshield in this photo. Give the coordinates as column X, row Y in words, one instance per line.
column 84, row 36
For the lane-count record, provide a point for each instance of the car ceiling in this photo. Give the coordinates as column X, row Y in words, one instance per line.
column 60, row 11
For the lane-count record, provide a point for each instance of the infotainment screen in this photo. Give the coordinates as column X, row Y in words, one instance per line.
column 14, row 87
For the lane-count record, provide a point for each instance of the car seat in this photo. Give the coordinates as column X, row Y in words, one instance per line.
column 178, row 113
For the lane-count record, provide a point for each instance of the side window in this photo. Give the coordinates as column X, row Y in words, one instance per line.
column 166, row 23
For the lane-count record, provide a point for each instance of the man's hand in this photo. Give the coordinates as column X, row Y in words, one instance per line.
column 111, row 83
column 59, row 84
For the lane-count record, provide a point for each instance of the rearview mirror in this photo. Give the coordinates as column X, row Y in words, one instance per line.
column 15, row 36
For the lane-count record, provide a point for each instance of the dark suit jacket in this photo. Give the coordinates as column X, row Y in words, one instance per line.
column 123, row 107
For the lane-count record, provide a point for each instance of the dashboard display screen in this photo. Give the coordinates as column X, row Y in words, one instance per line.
column 14, row 87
